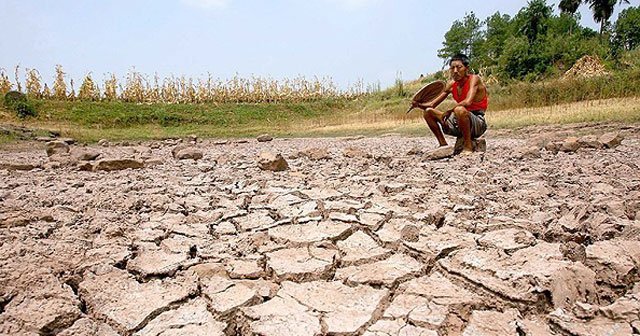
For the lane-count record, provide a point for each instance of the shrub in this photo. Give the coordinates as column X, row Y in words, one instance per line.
column 17, row 101
column 13, row 97
column 24, row 109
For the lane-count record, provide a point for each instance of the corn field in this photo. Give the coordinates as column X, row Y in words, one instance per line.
column 140, row 88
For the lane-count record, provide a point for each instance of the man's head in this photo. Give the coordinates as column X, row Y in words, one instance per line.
column 458, row 65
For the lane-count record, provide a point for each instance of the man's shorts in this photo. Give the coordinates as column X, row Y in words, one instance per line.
column 478, row 124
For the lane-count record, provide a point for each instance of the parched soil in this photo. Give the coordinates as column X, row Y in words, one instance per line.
column 539, row 235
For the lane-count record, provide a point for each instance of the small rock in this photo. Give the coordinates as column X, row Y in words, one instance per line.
column 189, row 153
column 410, row 233
column 64, row 159
column 479, row 145
column 17, row 166
column 570, row 145
column 392, row 187
column 68, row 141
column 88, row 155
column 87, row 166
column 153, row 162
column 553, row 147
column 532, row 152
column 103, row 143
column 179, row 148
column 590, row 141
column 57, row 147
column 355, row 152
column 415, row 151
column 439, row 153
column 316, row 154
column 272, row 162
column 611, row 139
column 264, row 138
column 118, row 164
column 45, row 139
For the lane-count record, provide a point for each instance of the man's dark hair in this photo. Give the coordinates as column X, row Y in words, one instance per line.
column 460, row 57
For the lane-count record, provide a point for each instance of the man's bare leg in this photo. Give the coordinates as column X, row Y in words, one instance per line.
column 464, row 124
column 433, row 118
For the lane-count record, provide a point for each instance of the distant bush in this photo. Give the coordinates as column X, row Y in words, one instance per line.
column 17, row 101
column 13, row 97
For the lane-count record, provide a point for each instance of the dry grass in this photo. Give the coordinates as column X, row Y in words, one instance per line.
column 625, row 110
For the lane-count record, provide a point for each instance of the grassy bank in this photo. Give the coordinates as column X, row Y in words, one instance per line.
column 612, row 98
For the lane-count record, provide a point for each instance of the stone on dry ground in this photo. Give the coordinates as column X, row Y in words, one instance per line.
column 272, row 162
column 354, row 238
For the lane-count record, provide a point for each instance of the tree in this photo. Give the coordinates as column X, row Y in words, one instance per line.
column 602, row 11
column 626, row 32
column 497, row 31
column 569, row 6
column 462, row 37
column 533, row 19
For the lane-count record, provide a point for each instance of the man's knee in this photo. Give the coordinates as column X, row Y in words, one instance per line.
column 429, row 113
column 460, row 111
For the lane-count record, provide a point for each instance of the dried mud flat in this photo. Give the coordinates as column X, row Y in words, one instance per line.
column 359, row 236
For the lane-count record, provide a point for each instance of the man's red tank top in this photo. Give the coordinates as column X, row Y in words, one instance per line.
column 481, row 105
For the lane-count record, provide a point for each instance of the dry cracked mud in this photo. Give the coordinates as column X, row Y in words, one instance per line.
column 539, row 235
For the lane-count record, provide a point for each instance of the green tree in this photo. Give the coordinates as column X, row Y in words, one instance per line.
column 463, row 37
column 533, row 19
column 602, row 11
column 626, row 30
column 498, row 28
column 569, row 7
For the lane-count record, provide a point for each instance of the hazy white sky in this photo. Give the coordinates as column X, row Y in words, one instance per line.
column 347, row 40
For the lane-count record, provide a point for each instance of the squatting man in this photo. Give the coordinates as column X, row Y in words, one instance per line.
column 466, row 119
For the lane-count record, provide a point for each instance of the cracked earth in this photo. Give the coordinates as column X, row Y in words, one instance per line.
column 539, row 235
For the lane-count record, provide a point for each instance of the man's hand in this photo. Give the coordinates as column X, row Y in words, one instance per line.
column 446, row 115
column 423, row 106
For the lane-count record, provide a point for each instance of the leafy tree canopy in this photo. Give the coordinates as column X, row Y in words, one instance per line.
column 538, row 43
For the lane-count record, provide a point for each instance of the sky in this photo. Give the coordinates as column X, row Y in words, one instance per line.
column 372, row 41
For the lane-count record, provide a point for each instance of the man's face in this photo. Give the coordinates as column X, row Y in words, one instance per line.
column 458, row 70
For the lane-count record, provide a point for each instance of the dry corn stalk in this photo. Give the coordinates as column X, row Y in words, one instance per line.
column 137, row 88
column 59, row 85
column 72, row 94
column 32, row 83
column 5, row 84
column 46, row 92
column 134, row 88
column 17, row 77
column 88, row 89
column 111, row 88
